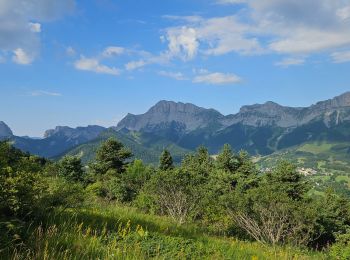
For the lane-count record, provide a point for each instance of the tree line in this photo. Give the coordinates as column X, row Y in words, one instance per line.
column 227, row 194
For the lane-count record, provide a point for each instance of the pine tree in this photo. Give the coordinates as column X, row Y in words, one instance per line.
column 112, row 155
column 166, row 161
column 226, row 159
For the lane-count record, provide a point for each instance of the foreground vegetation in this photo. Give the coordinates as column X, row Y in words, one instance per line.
column 203, row 209
column 111, row 231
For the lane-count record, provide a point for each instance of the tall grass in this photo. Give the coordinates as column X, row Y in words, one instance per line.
column 115, row 232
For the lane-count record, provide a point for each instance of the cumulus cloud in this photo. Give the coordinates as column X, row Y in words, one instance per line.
column 94, row 65
column 219, row 36
column 35, row 27
column 341, row 57
column 217, row 78
column 290, row 62
column 173, row 75
column 265, row 26
column 21, row 57
column 21, row 22
column 182, row 42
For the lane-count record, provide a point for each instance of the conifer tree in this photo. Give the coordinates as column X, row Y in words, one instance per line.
column 166, row 161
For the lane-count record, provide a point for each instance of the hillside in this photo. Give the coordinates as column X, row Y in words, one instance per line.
column 143, row 146
column 260, row 129
column 115, row 232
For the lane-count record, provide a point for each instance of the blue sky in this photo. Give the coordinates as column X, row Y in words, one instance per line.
column 76, row 63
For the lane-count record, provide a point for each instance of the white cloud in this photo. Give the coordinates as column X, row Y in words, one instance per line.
column 113, row 51
column 132, row 65
column 218, row 36
column 173, row 75
column 21, row 57
column 265, row 26
column 217, row 78
column 18, row 31
column 148, row 59
column 35, row 27
column 37, row 93
column 290, row 62
column 17, row 27
column 341, row 57
column 182, row 42
column 344, row 13
column 92, row 64
column 306, row 41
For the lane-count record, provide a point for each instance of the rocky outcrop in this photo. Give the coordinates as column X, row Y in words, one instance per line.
column 5, row 131
column 80, row 133
column 189, row 116
column 258, row 115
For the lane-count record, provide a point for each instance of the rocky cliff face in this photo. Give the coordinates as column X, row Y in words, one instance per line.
column 266, row 114
column 80, row 133
column 5, row 131
column 59, row 140
column 186, row 116
column 255, row 128
column 192, row 117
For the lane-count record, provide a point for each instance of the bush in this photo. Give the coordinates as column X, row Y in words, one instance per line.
column 341, row 249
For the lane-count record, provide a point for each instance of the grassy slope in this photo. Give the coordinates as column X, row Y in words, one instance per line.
column 331, row 160
column 114, row 232
column 325, row 157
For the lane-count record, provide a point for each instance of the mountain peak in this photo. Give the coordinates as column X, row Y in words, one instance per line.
column 165, row 112
column 268, row 107
column 88, row 132
column 340, row 101
column 5, row 131
column 165, row 106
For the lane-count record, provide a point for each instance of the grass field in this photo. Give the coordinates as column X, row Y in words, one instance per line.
column 115, row 232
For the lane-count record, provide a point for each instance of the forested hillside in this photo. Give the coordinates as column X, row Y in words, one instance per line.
column 203, row 208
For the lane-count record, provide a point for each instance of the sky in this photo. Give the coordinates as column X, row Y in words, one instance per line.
column 85, row 62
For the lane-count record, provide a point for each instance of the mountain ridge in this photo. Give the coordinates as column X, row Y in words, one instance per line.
column 258, row 128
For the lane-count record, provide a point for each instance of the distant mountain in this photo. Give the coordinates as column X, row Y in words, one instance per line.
column 5, row 131
column 187, row 117
column 261, row 129
column 271, row 113
column 78, row 135
column 143, row 146
column 58, row 140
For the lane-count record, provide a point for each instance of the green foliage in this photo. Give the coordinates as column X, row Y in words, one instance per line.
column 165, row 161
column 63, row 193
column 226, row 160
column 71, row 168
column 341, row 249
column 28, row 191
column 114, row 232
column 111, row 155
column 285, row 178
column 227, row 194
column 333, row 218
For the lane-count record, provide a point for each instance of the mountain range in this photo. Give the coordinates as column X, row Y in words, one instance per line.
column 261, row 129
